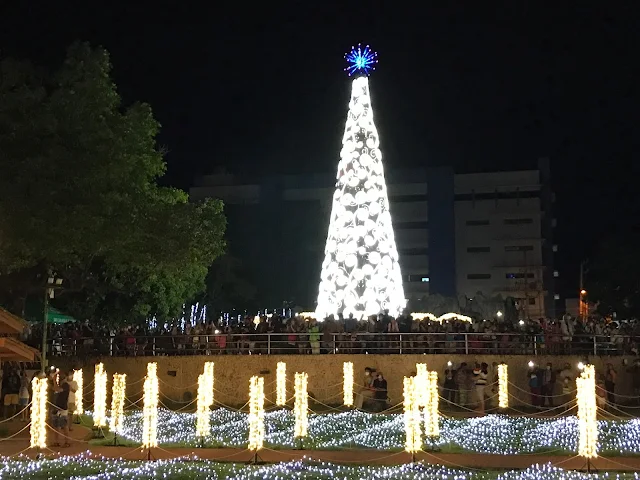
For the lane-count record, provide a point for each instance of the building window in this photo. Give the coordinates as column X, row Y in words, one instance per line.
column 518, row 221
column 413, row 251
column 518, row 248
column 556, row 273
column 519, row 275
column 478, row 276
column 532, row 301
column 555, row 248
column 424, row 279
column 556, row 296
column 411, row 225
column 477, row 223
column 478, row 249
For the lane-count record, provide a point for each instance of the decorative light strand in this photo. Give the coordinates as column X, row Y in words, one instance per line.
column 281, row 384
column 301, row 406
column 117, row 403
column 39, row 413
column 587, row 409
column 413, row 435
column 205, row 400
column 256, row 414
column 503, row 386
column 100, row 397
column 347, row 383
column 150, row 408
column 78, row 378
column 432, row 428
column 422, row 385
column 360, row 274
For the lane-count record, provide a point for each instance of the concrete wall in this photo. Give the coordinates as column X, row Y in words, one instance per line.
column 179, row 375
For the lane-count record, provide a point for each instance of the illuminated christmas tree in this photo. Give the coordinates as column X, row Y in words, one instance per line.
column 360, row 272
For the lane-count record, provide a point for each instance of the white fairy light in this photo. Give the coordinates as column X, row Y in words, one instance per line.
column 100, row 397
column 39, row 413
column 204, row 400
column 587, row 409
column 78, row 378
column 360, row 273
column 301, row 406
column 432, row 427
column 422, row 385
column 256, row 414
column 281, row 384
column 347, row 383
column 442, row 318
column 503, row 386
column 413, row 435
column 117, row 403
column 150, row 407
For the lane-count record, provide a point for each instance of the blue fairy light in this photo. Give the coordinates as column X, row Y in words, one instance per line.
column 361, row 60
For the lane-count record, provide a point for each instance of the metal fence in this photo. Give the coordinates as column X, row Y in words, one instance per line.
column 356, row 343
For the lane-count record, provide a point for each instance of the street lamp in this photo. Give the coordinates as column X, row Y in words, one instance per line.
column 498, row 314
column 49, row 292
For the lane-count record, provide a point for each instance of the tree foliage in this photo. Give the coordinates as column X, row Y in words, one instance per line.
column 613, row 277
column 79, row 196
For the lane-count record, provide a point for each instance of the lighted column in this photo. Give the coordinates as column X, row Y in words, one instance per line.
column 281, row 384
column 256, row 414
column 100, row 397
column 503, row 386
column 347, row 383
column 413, row 436
column 587, row 410
column 432, row 428
column 301, row 406
column 205, row 400
column 360, row 273
column 117, row 403
column 422, row 385
column 150, row 407
column 78, row 378
column 39, row 413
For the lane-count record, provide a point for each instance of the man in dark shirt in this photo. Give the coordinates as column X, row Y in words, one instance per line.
column 380, row 392
column 60, row 413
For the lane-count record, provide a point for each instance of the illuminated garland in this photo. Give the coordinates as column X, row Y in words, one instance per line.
column 422, row 385
column 301, row 406
column 117, row 403
column 442, row 318
column 503, row 386
column 256, row 414
column 150, row 407
column 587, row 409
column 100, row 397
column 413, row 435
column 281, row 384
column 347, row 383
column 39, row 413
column 205, row 400
column 432, row 428
column 78, row 378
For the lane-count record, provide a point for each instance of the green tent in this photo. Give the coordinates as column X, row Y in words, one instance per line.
column 34, row 310
column 56, row 316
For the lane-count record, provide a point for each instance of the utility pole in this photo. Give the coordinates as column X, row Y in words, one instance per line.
column 49, row 292
column 583, row 305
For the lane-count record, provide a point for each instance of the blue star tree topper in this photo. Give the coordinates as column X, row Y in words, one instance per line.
column 361, row 61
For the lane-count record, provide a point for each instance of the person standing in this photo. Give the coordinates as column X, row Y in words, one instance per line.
column 449, row 387
column 461, row 379
column 73, row 387
column 635, row 380
column 367, row 389
column 60, row 414
column 24, row 396
column 548, row 385
column 610, row 383
column 480, row 376
column 11, row 388
column 314, row 336
column 535, row 386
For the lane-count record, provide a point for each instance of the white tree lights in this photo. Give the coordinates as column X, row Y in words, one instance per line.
column 360, row 273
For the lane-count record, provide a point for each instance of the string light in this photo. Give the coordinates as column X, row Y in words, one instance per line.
column 301, row 406
column 503, row 386
column 442, row 318
column 360, row 274
column 432, row 427
column 587, row 409
column 347, row 383
column 100, row 397
column 150, row 408
column 256, row 414
column 422, row 385
column 413, row 435
column 39, row 413
column 281, row 384
column 117, row 403
column 205, row 400
column 78, row 378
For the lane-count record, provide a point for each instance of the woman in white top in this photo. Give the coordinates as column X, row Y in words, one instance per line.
column 480, row 376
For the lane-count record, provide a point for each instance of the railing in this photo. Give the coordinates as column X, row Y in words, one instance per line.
column 354, row 343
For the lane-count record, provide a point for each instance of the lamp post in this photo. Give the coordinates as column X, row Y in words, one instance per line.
column 49, row 292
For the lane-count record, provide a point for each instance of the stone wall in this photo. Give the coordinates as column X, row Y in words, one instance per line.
column 179, row 375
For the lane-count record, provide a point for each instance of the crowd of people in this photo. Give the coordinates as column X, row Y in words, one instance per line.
column 377, row 334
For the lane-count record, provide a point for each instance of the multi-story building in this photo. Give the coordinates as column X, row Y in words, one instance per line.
column 457, row 234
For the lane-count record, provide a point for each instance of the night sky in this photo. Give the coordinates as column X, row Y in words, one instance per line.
column 476, row 85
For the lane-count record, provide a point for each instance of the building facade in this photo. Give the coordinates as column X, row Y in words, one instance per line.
column 457, row 234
